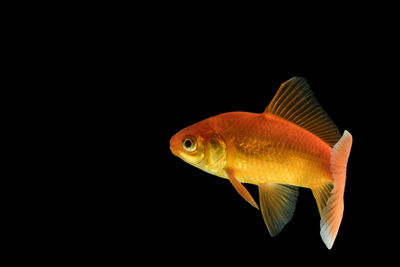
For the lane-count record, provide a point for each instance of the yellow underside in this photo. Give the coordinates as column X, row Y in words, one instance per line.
column 298, row 172
column 278, row 152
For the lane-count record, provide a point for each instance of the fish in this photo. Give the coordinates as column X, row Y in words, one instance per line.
column 292, row 144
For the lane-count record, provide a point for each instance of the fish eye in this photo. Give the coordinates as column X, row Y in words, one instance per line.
column 189, row 144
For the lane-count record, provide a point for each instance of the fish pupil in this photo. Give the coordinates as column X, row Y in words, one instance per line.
column 188, row 143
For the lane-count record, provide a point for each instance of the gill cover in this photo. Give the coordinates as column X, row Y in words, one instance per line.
column 215, row 152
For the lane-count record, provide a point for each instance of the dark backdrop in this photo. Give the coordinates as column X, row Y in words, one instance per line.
column 175, row 75
column 202, row 214
column 120, row 81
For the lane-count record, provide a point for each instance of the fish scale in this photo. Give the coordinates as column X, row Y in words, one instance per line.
column 265, row 148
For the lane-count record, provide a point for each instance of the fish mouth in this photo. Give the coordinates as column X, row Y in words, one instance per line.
column 172, row 150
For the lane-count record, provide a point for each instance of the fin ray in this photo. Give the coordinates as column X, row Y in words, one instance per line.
column 321, row 195
column 278, row 202
column 296, row 103
column 241, row 189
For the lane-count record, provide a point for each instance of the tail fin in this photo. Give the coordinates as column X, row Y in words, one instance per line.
column 333, row 212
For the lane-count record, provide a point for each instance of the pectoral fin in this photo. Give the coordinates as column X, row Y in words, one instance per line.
column 278, row 202
column 241, row 189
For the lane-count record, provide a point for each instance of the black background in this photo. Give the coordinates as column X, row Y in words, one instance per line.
column 202, row 209
column 169, row 72
column 107, row 87
column 201, row 216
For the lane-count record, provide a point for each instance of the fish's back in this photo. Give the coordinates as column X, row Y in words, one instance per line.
column 266, row 148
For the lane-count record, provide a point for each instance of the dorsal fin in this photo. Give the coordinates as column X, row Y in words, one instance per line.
column 296, row 103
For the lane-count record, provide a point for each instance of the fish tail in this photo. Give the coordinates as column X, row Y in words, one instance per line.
column 332, row 214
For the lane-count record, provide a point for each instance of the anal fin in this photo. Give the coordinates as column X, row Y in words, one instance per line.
column 241, row 189
column 321, row 195
column 278, row 202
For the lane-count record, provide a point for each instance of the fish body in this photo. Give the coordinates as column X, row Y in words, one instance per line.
column 292, row 144
column 266, row 148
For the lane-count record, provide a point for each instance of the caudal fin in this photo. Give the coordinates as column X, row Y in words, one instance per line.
column 332, row 214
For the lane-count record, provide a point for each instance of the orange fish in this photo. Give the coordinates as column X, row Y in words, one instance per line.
column 292, row 144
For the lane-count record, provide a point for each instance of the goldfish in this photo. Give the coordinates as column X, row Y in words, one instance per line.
column 292, row 144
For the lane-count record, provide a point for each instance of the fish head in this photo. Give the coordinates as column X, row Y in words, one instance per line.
column 200, row 145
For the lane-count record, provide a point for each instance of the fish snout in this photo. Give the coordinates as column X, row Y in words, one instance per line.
column 173, row 145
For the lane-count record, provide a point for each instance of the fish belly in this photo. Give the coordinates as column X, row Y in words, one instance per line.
column 266, row 148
